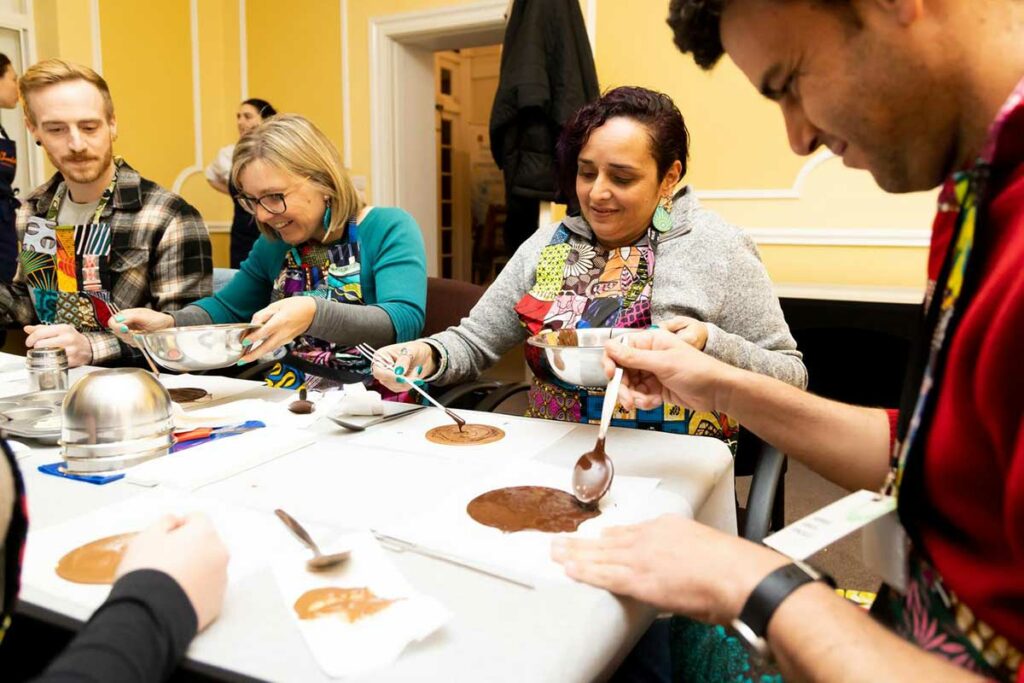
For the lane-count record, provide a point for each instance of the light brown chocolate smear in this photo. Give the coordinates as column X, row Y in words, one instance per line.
column 568, row 337
column 518, row 508
column 94, row 562
column 187, row 394
column 471, row 435
column 351, row 603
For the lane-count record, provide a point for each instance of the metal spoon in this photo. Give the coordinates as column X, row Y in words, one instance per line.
column 145, row 354
column 593, row 473
column 319, row 561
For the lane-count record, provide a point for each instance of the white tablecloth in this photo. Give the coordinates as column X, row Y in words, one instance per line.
column 500, row 630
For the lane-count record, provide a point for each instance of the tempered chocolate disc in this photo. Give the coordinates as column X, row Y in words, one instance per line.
column 94, row 562
column 471, row 435
column 518, row 508
column 187, row 394
column 351, row 603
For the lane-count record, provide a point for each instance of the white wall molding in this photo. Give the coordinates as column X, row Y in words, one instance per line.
column 218, row 227
column 793, row 192
column 346, row 90
column 97, row 43
column 842, row 237
column 243, row 52
column 859, row 293
column 26, row 24
column 386, row 34
column 197, row 103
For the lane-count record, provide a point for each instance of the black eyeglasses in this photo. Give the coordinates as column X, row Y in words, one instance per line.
column 273, row 203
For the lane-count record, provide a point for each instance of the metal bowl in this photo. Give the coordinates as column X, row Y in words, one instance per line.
column 199, row 347
column 112, row 419
column 574, row 356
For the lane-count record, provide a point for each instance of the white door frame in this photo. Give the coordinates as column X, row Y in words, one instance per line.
column 402, row 155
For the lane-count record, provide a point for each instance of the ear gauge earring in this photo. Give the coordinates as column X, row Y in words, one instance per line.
column 663, row 215
column 39, row 143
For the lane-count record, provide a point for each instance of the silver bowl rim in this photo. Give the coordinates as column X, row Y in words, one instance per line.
column 198, row 328
column 534, row 340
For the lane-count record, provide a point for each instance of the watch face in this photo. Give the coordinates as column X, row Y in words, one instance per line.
column 755, row 645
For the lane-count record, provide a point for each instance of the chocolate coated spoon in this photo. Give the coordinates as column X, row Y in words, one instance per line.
column 592, row 476
column 319, row 561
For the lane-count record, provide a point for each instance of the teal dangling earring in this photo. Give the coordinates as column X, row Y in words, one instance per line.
column 327, row 218
column 663, row 215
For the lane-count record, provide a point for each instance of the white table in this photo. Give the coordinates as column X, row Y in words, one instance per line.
column 499, row 631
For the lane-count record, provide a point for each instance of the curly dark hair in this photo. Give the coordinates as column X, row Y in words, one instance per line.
column 670, row 141
column 696, row 31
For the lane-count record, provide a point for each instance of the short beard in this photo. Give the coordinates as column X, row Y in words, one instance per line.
column 86, row 176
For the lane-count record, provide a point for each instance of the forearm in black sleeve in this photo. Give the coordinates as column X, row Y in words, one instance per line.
column 139, row 634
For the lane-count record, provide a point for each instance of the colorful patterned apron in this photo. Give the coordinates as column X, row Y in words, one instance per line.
column 327, row 271
column 579, row 284
column 929, row 613
column 67, row 267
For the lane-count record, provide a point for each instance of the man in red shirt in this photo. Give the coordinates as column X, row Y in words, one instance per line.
column 920, row 93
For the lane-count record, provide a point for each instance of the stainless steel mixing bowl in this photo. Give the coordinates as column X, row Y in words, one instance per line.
column 200, row 347
column 574, row 356
column 113, row 419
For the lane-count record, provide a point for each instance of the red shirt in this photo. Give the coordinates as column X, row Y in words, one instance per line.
column 974, row 450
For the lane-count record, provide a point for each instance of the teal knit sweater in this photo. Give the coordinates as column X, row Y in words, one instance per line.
column 393, row 274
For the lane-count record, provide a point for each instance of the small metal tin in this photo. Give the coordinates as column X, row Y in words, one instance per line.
column 47, row 369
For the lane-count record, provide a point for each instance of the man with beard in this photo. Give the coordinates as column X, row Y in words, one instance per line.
column 920, row 93
column 97, row 237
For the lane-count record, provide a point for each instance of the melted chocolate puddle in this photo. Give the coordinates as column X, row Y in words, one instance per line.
column 519, row 508
column 351, row 603
column 94, row 562
column 187, row 394
column 469, row 435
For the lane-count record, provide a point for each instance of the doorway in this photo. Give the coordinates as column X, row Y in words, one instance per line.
column 405, row 123
column 470, row 186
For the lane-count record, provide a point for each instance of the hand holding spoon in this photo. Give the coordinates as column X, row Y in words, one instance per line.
column 319, row 562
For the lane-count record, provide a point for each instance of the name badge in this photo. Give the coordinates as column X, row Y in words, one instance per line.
column 886, row 547
column 817, row 530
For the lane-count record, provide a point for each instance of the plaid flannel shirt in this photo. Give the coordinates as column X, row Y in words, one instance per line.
column 160, row 256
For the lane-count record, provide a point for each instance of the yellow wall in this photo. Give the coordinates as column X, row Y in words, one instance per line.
column 294, row 60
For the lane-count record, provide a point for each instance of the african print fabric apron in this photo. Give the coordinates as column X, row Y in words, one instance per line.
column 67, row 267
column 329, row 272
column 929, row 614
column 579, row 284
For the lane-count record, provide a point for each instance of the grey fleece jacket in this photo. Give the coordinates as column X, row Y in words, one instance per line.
column 704, row 268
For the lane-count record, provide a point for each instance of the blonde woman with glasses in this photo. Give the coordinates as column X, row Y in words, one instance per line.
column 327, row 271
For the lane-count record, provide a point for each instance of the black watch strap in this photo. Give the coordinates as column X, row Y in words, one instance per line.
column 768, row 595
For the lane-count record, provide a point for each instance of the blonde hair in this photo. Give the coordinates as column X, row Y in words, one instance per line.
column 53, row 71
column 294, row 144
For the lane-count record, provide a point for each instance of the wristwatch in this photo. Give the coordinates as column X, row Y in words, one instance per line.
column 752, row 624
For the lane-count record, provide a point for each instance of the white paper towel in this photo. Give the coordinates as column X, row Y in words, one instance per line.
column 218, row 459
column 522, row 556
column 347, row 649
column 250, row 536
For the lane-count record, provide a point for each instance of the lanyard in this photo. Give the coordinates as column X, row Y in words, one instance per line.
column 969, row 188
column 945, row 307
column 352, row 235
column 58, row 197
